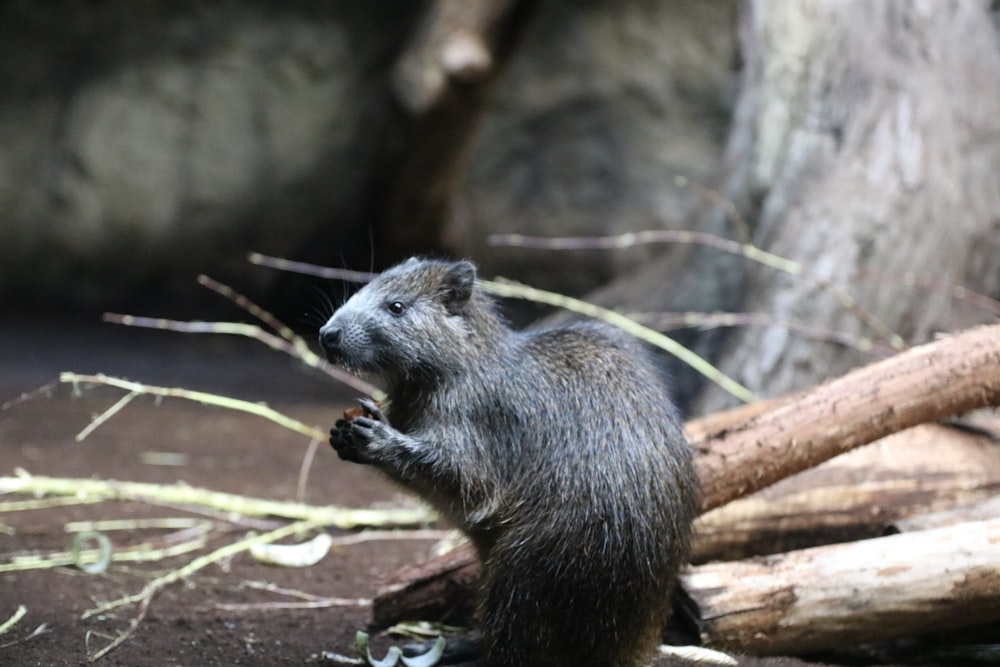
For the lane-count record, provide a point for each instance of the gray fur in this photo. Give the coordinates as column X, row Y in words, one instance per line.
column 556, row 451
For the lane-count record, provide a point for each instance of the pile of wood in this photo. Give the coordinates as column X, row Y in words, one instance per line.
column 843, row 547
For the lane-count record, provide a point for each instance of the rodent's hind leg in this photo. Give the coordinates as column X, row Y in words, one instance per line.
column 457, row 652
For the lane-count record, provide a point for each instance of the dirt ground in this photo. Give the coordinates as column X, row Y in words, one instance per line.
column 212, row 448
column 220, row 450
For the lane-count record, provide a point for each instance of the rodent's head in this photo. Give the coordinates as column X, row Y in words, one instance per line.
column 412, row 321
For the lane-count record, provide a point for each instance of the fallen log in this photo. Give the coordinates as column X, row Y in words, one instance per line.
column 857, row 495
column 983, row 510
column 703, row 428
column 926, row 383
column 442, row 593
column 832, row 596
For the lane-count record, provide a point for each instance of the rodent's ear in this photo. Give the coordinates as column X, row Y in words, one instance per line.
column 458, row 283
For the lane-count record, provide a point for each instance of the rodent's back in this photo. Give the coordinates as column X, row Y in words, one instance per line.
column 599, row 508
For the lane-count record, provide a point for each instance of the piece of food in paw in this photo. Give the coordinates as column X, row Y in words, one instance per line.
column 358, row 411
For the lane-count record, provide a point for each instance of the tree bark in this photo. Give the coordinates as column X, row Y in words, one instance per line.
column 863, row 147
column 827, row 597
column 982, row 510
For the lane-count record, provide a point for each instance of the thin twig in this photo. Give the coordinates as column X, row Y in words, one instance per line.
column 305, row 268
column 201, row 397
column 27, row 396
column 231, row 519
column 298, row 350
column 307, row 460
column 264, row 316
column 957, row 292
column 45, row 503
column 383, row 535
column 342, row 517
column 732, row 213
column 145, row 596
column 37, row 632
column 272, row 587
column 13, row 620
column 106, row 415
column 105, row 525
column 307, row 600
column 747, row 250
column 518, row 291
column 311, row 601
column 319, row 603
column 668, row 321
column 139, row 553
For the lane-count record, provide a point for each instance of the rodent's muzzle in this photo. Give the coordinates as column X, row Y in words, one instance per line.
column 330, row 339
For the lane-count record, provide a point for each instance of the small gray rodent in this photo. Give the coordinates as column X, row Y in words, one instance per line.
column 557, row 451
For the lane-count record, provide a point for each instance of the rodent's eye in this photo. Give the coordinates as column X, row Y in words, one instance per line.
column 396, row 307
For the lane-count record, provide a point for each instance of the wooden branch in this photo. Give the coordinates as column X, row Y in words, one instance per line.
column 441, row 80
column 454, row 44
column 827, row 597
column 439, row 589
column 700, row 429
column 927, row 383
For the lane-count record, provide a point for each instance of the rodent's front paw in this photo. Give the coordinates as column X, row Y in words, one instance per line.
column 353, row 435
column 362, row 432
column 349, row 442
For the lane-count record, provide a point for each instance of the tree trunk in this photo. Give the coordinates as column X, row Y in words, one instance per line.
column 865, row 148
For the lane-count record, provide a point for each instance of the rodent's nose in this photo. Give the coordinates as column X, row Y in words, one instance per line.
column 330, row 337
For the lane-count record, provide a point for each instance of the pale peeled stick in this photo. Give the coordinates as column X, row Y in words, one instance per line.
column 303, row 554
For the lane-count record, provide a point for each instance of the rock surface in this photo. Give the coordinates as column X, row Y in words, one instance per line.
column 145, row 142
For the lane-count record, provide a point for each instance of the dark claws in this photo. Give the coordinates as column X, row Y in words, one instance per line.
column 363, row 430
column 372, row 409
